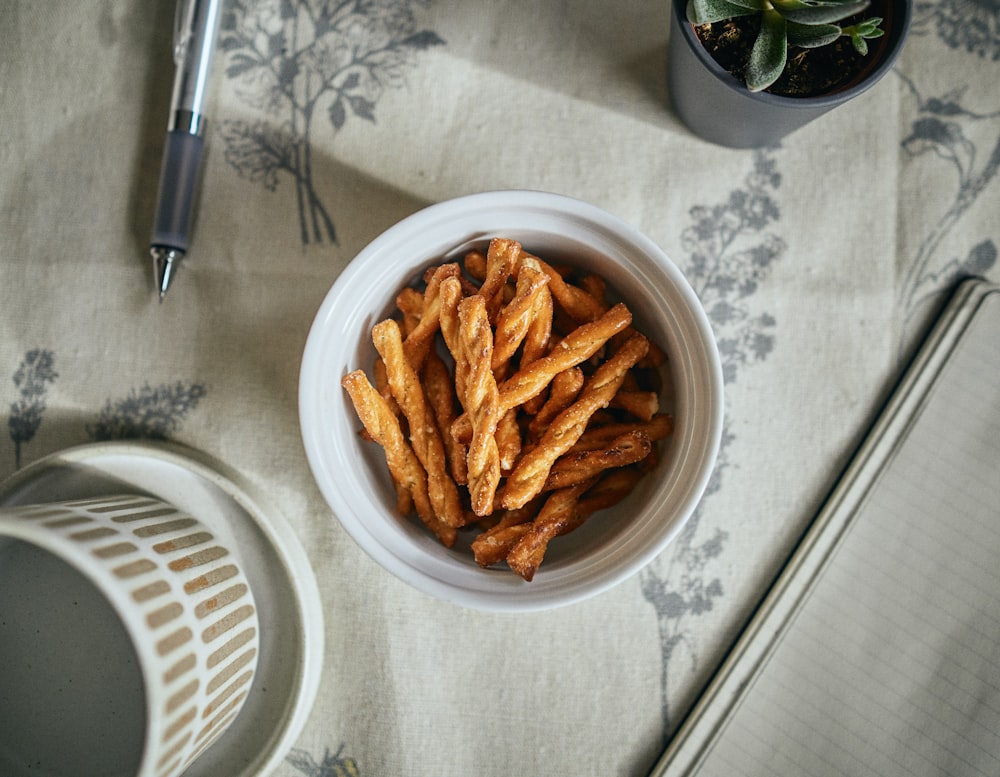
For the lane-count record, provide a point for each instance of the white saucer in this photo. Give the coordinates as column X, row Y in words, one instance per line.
column 280, row 575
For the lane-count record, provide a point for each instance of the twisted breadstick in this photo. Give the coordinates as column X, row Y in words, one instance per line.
column 578, row 346
column 558, row 516
column 419, row 341
column 579, row 304
column 493, row 545
column 474, row 263
column 424, row 436
column 659, row 427
column 609, row 491
column 404, row 467
column 482, row 402
column 564, row 511
column 536, row 342
column 410, row 303
column 501, row 260
column 530, row 474
column 440, row 392
column 516, row 317
column 450, row 294
column 565, row 388
column 642, row 404
column 508, row 436
column 573, row 468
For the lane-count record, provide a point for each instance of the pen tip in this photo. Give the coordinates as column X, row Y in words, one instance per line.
column 165, row 261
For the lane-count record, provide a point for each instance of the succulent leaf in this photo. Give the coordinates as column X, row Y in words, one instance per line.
column 803, row 23
column 770, row 50
column 790, row 5
column 811, row 36
column 862, row 32
column 752, row 5
column 825, row 13
column 708, row 11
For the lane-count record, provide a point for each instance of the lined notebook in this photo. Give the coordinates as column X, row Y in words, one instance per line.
column 878, row 650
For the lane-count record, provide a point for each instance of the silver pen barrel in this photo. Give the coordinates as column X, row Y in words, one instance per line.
column 194, row 43
column 196, row 29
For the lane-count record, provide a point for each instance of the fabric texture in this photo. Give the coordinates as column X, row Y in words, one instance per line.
column 820, row 262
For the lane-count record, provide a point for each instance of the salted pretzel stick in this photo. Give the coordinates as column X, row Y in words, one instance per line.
column 573, row 468
column 539, row 334
column 514, row 321
column 410, row 303
column 649, row 463
column 564, row 390
column 642, row 404
column 482, row 402
column 595, row 286
column 418, row 342
column 659, row 427
column 536, row 343
column 558, row 512
column 578, row 303
column 424, row 436
column 583, row 306
column 474, row 263
column 404, row 499
column 609, row 491
column 468, row 287
column 578, row 346
column 654, row 358
column 403, row 464
column 508, row 437
column 566, row 516
column 450, row 294
column 440, row 391
column 493, row 545
column 382, row 384
column 529, row 476
column 501, row 259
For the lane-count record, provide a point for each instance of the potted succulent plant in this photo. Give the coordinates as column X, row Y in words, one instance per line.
column 745, row 73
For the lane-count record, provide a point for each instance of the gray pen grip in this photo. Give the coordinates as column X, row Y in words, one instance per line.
column 174, row 203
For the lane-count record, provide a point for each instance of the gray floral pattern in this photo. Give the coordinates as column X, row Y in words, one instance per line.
column 298, row 60
column 730, row 253
column 970, row 25
column 151, row 412
column 32, row 379
column 329, row 765
column 947, row 130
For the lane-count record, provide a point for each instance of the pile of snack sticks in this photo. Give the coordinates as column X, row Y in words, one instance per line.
column 546, row 411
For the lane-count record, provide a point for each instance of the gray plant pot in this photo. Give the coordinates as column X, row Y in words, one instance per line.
column 720, row 109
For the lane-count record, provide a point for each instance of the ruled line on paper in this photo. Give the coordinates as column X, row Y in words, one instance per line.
column 890, row 667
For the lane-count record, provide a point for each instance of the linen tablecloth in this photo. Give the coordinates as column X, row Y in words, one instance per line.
column 820, row 261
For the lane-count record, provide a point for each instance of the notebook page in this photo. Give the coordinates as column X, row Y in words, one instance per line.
column 891, row 665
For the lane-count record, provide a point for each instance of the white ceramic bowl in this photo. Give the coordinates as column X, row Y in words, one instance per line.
column 612, row 544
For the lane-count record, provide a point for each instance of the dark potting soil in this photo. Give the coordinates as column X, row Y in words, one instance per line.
column 808, row 72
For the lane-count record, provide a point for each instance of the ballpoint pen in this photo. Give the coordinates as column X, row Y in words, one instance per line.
column 195, row 32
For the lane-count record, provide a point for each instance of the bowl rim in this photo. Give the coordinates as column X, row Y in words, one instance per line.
column 529, row 596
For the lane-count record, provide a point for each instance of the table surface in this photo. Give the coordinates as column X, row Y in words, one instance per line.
column 820, row 260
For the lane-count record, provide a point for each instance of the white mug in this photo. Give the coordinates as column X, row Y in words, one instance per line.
column 129, row 638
